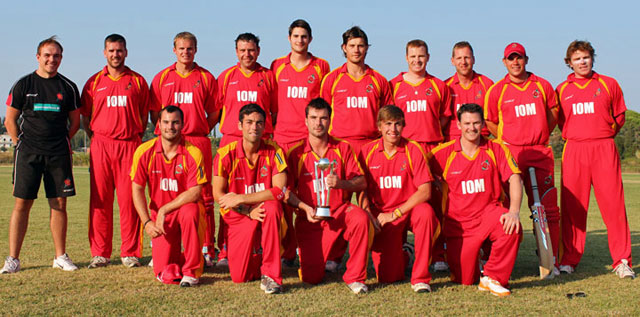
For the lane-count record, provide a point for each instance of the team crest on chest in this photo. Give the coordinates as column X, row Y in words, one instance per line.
column 479, row 94
column 598, row 92
column 261, row 82
column 128, row 87
column 404, row 166
column 311, row 79
column 536, row 93
column 264, row 171
column 485, row 165
column 548, row 180
column 59, row 96
column 179, row 169
column 369, row 88
column 197, row 84
column 429, row 91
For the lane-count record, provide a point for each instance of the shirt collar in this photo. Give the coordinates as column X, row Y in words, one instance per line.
column 572, row 77
column 240, row 150
column 532, row 77
column 332, row 144
column 158, row 146
column 344, row 69
column 127, row 71
column 399, row 148
column 288, row 58
column 457, row 146
column 173, row 66
column 474, row 79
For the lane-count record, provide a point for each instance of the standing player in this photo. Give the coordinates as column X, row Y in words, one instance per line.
column 114, row 115
column 45, row 100
column 173, row 169
column 246, row 82
column 317, row 237
column 473, row 169
column 398, row 180
column 521, row 110
column 592, row 111
column 193, row 89
column 424, row 98
column 355, row 92
column 249, row 184
column 299, row 75
column 466, row 86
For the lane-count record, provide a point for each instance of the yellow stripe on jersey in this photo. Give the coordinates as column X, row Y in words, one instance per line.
column 303, row 157
column 448, row 164
column 448, row 83
column 196, row 154
column 561, row 90
column 500, row 120
column 510, row 160
column 144, row 147
column 204, row 78
column 544, row 95
column 95, row 81
column 298, row 144
column 279, row 70
column 433, row 83
column 605, row 86
column 164, row 74
column 281, row 163
column 375, row 147
column 481, row 83
column 376, row 83
column 395, row 89
column 222, row 153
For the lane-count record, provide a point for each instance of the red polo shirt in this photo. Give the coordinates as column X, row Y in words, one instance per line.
column 474, row 93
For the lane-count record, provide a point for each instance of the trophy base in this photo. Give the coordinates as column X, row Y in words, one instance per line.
column 323, row 213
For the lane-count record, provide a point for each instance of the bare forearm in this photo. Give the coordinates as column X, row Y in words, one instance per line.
column 154, row 117
column 493, row 128
column 295, row 202
column 515, row 192
column 140, row 202
column 356, row 184
column 189, row 196
column 212, row 119
column 421, row 195
column 74, row 122
column 86, row 124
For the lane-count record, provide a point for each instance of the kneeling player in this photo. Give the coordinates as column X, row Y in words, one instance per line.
column 473, row 170
column 398, row 181
column 316, row 237
column 249, row 178
column 174, row 170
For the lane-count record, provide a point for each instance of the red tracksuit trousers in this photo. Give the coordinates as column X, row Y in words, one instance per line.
column 110, row 166
column 315, row 241
column 246, row 236
column 464, row 242
column 597, row 163
column 386, row 251
column 184, row 229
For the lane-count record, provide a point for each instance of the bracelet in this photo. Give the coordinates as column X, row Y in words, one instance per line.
column 397, row 212
column 145, row 223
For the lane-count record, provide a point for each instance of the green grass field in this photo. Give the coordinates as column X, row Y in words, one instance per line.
column 40, row 290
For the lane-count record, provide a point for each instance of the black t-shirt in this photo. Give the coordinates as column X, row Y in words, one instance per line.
column 45, row 104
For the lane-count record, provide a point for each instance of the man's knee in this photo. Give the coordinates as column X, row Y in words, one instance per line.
column 273, row 208
column 58, row 204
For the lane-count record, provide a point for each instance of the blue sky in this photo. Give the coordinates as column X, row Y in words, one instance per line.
column 544, row 28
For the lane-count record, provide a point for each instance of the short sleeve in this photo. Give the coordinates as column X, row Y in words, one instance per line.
column 16, row 96
column 352, row 167
column 491, row 104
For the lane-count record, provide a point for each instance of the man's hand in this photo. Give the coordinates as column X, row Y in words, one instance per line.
column 386, row 217
column 332, row 181
column 230, row 200
column 510, row 222
column 257, row 212
column 160, row 220
column 311, row 214
column 152, row 230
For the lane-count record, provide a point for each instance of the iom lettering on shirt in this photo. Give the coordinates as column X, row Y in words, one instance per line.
column 297, row 92
column 416, row 105
column 528, row 109
column 243, row 95
column 116, row 101
column 473, row 186
column 357, row 102
column 253, row 188
column 169, row 185
column 182, row 97
column 390, row 182
column 583, row 108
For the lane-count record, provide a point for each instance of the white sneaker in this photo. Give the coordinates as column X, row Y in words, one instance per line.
column 131, row 261
column 150, row 263
column 11, row 265
column 98, row 261
column 223, row 263
column 358, row 288
column 331, row 266
column 421, row 288
column 623, row 270
column 493, row 286
column 64, row 262
column 269, row 286
column 567, row 269
column 188, row 281
column 440, row 266
column 208, row 261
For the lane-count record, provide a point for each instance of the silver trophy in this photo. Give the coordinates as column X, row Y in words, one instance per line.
column 322, row 168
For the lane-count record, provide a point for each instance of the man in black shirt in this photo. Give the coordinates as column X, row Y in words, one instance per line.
column 47, row 103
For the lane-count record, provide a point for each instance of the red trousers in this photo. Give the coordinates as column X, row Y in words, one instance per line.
column 464, row 241
column 246, row 236
column 597, row 163
column 184, row 229
column 315, row 241
column 204, row 144
column 110, row 166
column 386, row 251
column 541, row 158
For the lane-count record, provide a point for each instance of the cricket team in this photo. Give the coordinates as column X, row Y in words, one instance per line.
column 413, row 152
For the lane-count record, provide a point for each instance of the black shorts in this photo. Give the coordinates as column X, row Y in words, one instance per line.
column 55, row 170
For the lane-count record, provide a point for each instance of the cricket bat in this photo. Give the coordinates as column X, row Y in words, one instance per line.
column 541, row 231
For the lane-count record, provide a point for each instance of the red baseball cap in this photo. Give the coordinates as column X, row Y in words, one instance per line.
column 514, row 48
column 170, row 274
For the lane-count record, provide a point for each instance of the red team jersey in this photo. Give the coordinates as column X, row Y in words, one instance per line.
column 521, row 110
column 244, row 178
column 194, row 93
column 589, row 106
column 423, row 105
column 167, row 179
column 474, row 93
column 118, row 107
column 395, row 178
column 296, row 87
column 301, row 162
column 355, row 102
column 472, row 183
column 236, row 89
